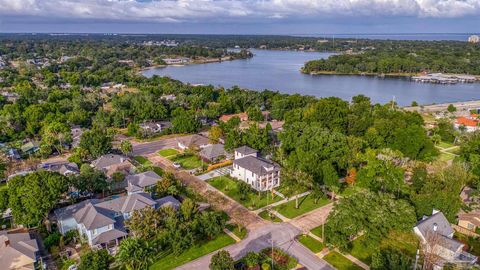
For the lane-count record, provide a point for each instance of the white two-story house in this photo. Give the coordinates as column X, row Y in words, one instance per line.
column 259, row 173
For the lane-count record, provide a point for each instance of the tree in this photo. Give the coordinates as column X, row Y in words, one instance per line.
column 254, row 114
column 451, row 108
column 184, row 121
column 330, row 178
column 414, row 104
column 188, row 209
column 222, row 261
column 134, row 254
column 145, row 223
column 95, row 260
column 126, row 147
column 90, row 180
column 56, row 135
column 215, row 133
column 243, row 189
column 414, row 143
column 370, row 213
column 392, row 259
column 31, row 197
column 351, row 177
column 96, row 142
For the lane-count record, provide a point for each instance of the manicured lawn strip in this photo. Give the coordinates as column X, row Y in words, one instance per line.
column 361, row 250
column 338, row 261
column 306, row 204
column 252, row 201
column 158, row 170
column 314, row 245
column 168, row 152
column 187, row 162
column 454, row 151
column 265, row 215
column 445, row 157
column 171, row 261
column 318, row 231
column 240, row 233
column 445, row 145
column 142, row 160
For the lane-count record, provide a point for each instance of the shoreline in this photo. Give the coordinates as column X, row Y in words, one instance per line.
column 392, row 75
column 193, row 62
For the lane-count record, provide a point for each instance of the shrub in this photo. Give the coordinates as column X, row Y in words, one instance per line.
column 52, row 240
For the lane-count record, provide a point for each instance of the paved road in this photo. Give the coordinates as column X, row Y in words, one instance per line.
column 146, row 148
column 283, row 236
column 461, row 106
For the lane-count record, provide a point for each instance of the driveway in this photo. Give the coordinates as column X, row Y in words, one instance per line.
column 215, row 173
column 312, row 219
column 283, row 236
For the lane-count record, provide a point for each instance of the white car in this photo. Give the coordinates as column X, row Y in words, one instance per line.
column 177, row 165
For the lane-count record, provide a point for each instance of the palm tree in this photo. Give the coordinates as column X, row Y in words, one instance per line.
column 134, row 254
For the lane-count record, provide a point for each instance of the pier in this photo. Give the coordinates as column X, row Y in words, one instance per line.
column 441, row 78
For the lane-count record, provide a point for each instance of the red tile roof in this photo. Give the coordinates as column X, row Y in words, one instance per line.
column 468, row 122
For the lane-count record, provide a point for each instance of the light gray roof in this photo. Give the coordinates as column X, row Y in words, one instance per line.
column 449, row 243
column 127, row 204
column 256, row 165
column 143, row 179
column 245, row 150
column 94, row 217
column 117, row 232
column 196, row 139
column 108, row 160
column 213, row 151
column 68, row 211
column 69, row 167
column 168, row 201
column 20, row 242
column 427, row 225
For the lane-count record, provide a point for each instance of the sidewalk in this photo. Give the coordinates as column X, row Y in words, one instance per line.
column 354, row 260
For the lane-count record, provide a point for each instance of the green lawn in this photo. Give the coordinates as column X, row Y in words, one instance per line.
column 266, row 216
column 3, row 186
column 445, row 157
column 143, row 160
column 168, row 152
column 314, row 245
column 306, row 204
column 171, row 261
column 445, row 145
column 340, row 262
column 362, row 251
column 187, row 162
column 240, row 233
column 253, row 200
column 317, row 231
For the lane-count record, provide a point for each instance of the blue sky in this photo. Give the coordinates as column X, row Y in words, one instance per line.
column 307, row 17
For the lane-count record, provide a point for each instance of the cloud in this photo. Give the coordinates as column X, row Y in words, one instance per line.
column 234, row 10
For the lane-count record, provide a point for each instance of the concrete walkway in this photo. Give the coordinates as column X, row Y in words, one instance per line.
column 312, row 219
column 354, row 260
column 281, row 202
column 231, row 234
column 280, row 216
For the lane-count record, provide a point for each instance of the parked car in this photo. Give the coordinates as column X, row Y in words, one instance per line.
column 177, row 165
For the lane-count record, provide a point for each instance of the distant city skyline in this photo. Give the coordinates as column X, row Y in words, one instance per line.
column 289, row 17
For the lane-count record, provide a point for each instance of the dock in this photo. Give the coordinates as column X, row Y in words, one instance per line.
column 441, row 78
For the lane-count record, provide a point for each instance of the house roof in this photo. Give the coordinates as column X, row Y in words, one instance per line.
column 68, row 211
column 108, row 160
column 196, row 139
column 245, row 150
column 472, row 217
column 20, row 253
column 168, row 201
column 256, row 165
column 468, row 122
column 69, row 167
column 110, row 235
column 93, row 216
column 213, row 151
column 143, row 179
column 243, row 116
column 129, row 203
column 29, row 146
column 427, row 224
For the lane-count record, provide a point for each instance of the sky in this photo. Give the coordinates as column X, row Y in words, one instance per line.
column 293, row 17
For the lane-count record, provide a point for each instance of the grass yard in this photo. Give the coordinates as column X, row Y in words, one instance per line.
column 265, row 215
column 305, row 204
column 362, row 251
column 187, row 162
column 240, row 233
column 340, row 262
column 143, row 160
column 445, row 145
column 313, row 244
column 445, row 156
column 317, row 231
column 171, row 261
column 168, row 152
column 253, row 200
column 3, row 186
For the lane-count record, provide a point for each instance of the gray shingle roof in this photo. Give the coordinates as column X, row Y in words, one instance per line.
column 245, row 150
column 94, row 217
column 20, row 242
column 426, row 225
column 143, row 179
column 108, row 160
column 256, row 165
column 196, row 139
column 68, row 211
column 168, row 201
column 127, row 204
column 213, row 151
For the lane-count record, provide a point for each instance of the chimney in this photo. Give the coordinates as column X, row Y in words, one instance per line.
column 435, row 227
column 7, row 243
